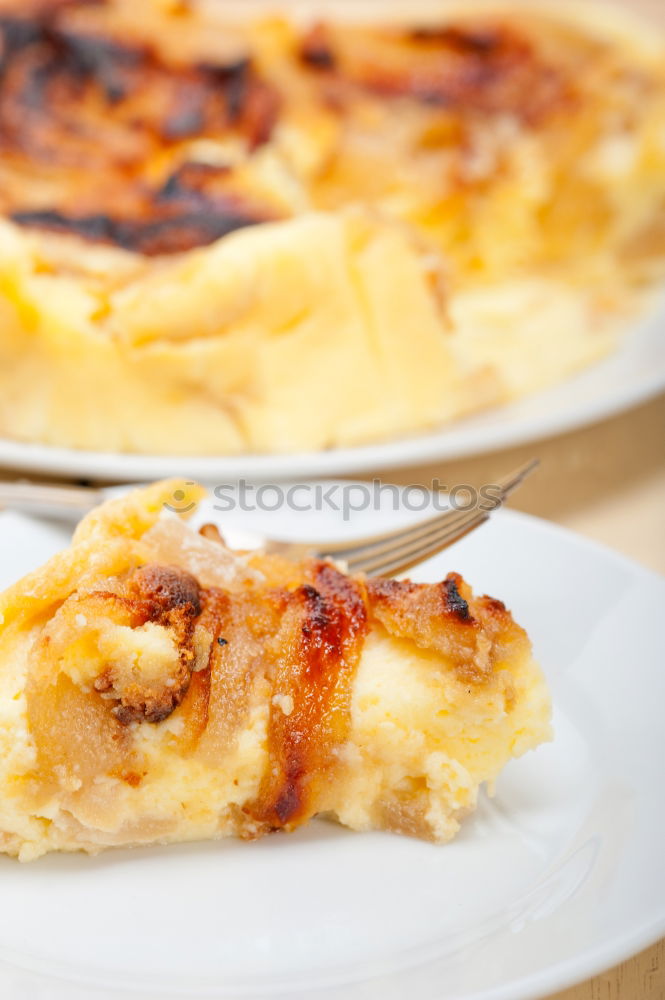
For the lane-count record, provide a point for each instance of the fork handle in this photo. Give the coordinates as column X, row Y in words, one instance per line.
column 49, row 499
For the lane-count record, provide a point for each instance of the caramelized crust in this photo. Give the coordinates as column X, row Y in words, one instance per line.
column 164, row 598
column 445, row 617
column 69, row 77
column 297, row 648
column 165, row 589
column 90, row 120
column 118, row 134
column 313, row 662
column 487, row 68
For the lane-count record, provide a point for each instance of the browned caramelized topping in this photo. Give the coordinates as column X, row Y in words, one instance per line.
column 87, row 117
column 166, row 588
column 316, row 47
column 107, row 134
column 314, row 658
column 456, row 66
column 131, row 778
column 442, row 616
column 489, row 68
column 218, row 654
column 168, row 597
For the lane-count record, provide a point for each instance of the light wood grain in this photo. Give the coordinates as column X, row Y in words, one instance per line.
column 641, row 978
column 606, row 481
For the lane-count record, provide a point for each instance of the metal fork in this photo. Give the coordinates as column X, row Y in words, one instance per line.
column 387, row 554
column 393, row 552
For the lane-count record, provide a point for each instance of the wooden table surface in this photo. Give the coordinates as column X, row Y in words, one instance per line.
column 607, row 482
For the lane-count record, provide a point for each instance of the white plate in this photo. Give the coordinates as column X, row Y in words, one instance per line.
column 633, row 374
column 557, row 877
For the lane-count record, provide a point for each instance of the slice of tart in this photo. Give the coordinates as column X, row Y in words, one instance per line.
column 156, row 686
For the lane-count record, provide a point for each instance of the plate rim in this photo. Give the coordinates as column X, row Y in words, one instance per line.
column 450, row 442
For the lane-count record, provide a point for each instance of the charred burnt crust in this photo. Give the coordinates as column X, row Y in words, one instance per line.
column 453, row 601
column 150, row 237
column 316, row 48
column 49, row 73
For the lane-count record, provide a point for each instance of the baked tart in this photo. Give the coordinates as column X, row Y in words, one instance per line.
column 156, row 686
column 226, row 233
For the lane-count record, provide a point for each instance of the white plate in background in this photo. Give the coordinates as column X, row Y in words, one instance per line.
column 557, row 877
column 632, row 374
